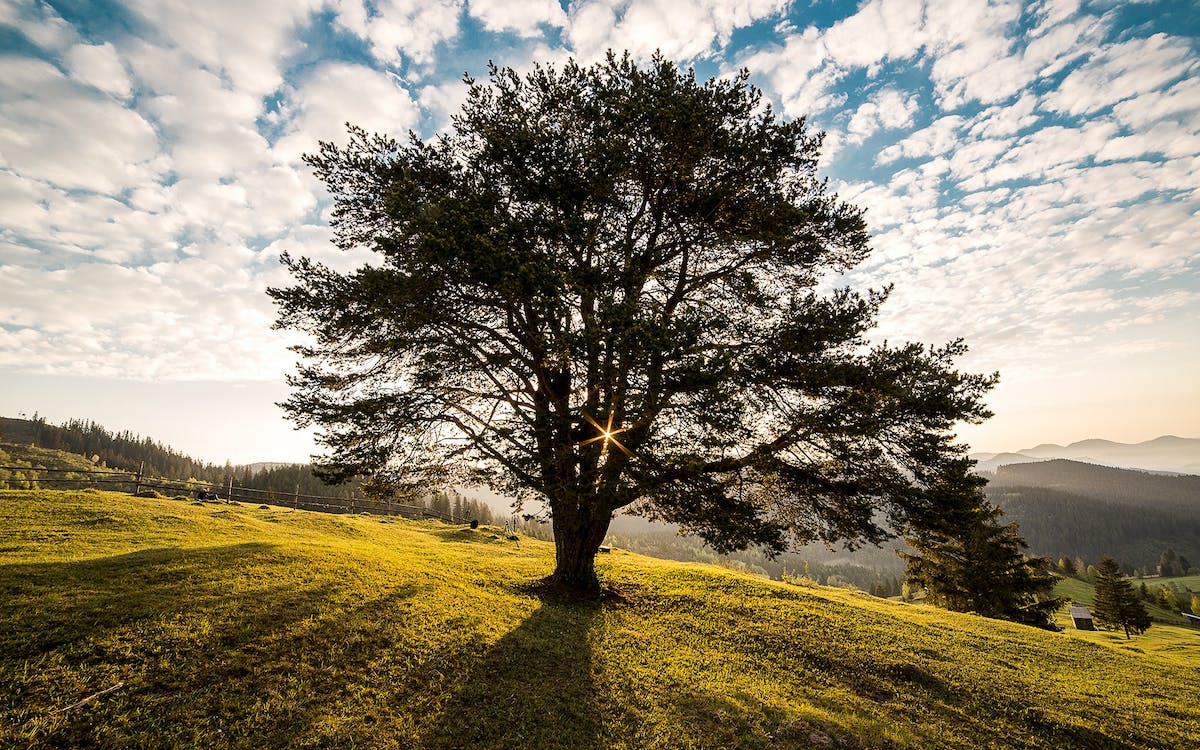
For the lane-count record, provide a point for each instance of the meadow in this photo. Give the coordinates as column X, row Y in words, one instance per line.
column 240, row 626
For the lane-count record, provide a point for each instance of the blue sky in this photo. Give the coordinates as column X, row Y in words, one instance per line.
column 1031, row 173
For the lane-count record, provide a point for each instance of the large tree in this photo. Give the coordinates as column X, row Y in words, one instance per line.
column 1116, row 604
column 601, row 289
column 967, row 559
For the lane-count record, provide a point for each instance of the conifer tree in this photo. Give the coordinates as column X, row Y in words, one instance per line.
column 601, row 289
column 967, row 560
column 1116, row 604
column 1066, row 566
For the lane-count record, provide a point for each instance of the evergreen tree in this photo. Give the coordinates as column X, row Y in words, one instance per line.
column 1196, row 604
column 1066, row 566
column 1116, row 604
column 968, row 560
column 602, row 289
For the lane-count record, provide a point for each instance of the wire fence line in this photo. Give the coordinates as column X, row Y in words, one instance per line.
column 138, row 483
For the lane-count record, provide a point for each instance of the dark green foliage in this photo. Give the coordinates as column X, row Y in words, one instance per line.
column 968, row 560
column 1167, row 598
column 1116, row 604
column 1066, row 566
column 600, row 290
column 1171, row 564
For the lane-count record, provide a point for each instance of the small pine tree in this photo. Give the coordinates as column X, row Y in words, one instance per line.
column 1066, row 566
column 968, row 560
column 1116, row 604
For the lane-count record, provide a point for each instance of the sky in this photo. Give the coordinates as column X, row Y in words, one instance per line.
column 1030, row 172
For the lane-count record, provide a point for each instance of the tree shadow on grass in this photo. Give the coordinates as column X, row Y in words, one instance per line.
column 55, row 604
column 217, row 647
column 534, row 688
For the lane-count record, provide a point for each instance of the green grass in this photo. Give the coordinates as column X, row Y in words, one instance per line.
column 1168, row 637
column 1191, row 583
column 236, row 626
column 1085, row 593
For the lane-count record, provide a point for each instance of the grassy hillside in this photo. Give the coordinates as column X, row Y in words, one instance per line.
column 1168, row 638
column 21, row 456
column 240, row 626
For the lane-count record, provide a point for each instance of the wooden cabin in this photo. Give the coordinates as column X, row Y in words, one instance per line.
column 1082, row 617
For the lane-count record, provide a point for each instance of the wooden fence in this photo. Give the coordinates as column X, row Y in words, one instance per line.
column 137, row 482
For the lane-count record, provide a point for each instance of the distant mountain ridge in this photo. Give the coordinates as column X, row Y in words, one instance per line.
column 1076, row 509
column 1169, row 453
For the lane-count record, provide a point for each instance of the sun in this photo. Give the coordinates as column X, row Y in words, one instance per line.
column 607, row 434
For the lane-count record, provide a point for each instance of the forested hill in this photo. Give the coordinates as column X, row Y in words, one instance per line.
column 1078, row 510
column 1125, row 487
column 117, row 450
column 73, row 443
column 129, row 452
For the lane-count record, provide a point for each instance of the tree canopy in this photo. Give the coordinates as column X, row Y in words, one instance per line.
column 602, row 289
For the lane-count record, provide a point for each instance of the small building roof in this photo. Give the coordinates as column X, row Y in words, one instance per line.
column 1079, row 611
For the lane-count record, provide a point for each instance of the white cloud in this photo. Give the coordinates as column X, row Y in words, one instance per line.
column 153, row 182
column 880, row 30
column 1005, row 120
column 401, row 29
column 1122, row 71
column 319, row 106
column 971, row 45
column 888, row 110
column 54, row 130
column 98, row 65
column 443, row 100
column 1169, row 139
column 524, row 18
column 1180, row 102
column 181, row 320
column 681, row 31
column 798, row 74
column 937, row 138
column 242, row 42
column 39, row 23
column 1050, row 13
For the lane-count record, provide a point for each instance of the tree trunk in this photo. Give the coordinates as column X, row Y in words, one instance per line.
column 577, row 537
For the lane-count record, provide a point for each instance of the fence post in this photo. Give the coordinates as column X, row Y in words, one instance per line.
column 296, row 496
column 229, row 492
column 137, row 486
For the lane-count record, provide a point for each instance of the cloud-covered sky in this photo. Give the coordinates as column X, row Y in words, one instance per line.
column 1031, row 173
